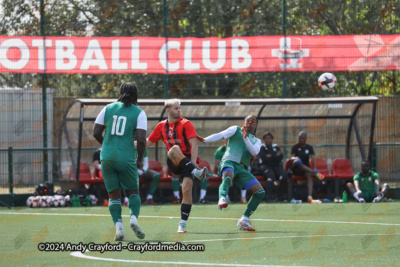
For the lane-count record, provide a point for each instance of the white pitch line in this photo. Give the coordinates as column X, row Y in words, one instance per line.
column 280, row 237
column 80, row 255
column 198, row 218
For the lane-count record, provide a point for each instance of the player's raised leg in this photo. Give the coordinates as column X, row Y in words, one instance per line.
column 179, row 160
column 227, row 176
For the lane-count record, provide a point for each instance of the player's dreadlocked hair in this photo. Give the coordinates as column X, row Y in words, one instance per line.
column 128, row 94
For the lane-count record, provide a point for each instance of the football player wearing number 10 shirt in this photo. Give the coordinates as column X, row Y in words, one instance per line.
column 121, row 121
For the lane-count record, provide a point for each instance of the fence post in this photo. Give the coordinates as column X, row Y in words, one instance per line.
column 44, row 96
column 10, row 169
column 374, row 158
column 166, row 77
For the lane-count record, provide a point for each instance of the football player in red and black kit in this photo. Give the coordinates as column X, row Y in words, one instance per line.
column 179, row 136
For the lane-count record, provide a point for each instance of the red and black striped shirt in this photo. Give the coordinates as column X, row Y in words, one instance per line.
column 177, row 133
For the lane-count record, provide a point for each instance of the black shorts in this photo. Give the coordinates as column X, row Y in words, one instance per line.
column 177, row 170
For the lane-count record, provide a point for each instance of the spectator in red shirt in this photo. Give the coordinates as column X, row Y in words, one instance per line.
column 179, row 136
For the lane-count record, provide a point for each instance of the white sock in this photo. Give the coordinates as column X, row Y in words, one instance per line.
column 149, row 197
column 244, row 218
column 244, row 192
column 203, row 193
column 183, row 221
column 310, row 197
column 133, row 217
column 176, row 194
column 355, row 195
column 379, row 197
column 126, row 199
column 119, row 226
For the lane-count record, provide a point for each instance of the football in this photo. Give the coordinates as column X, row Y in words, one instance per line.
column 31, row 202
column 327, row 81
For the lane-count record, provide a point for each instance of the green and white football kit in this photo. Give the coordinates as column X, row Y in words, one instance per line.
column 237, row 159
column 118, row 160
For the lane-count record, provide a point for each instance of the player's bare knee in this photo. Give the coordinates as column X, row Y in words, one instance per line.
column 115, row 194
column 350, row 185
column 174, row 151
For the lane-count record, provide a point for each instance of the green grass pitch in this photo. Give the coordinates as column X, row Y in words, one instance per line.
column 339, row 234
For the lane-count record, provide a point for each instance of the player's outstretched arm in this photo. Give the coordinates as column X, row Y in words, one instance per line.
column 201, row 139
column 228, row 133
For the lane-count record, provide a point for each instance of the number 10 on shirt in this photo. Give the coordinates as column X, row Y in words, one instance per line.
column 117, row 128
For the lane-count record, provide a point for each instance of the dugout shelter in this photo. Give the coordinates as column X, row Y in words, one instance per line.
column 339, row 127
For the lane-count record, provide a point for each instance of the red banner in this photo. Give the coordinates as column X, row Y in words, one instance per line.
column 27, row 54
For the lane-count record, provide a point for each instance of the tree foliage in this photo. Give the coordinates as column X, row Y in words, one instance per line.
column 204, row 18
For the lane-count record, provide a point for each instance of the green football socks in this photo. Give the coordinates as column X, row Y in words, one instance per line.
column 134, row 204
column 154, row 183
column 204, row 184
column 114, row 205
column 254, row 201
column 224, row 187
column 175, row 184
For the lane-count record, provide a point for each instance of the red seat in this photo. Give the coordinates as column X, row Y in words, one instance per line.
column 342, row 169
column 156, row 166
column 84, row 173
column 322, row 167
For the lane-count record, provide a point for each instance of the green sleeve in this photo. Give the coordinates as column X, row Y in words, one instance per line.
column 375, row 176
column 356, row 177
